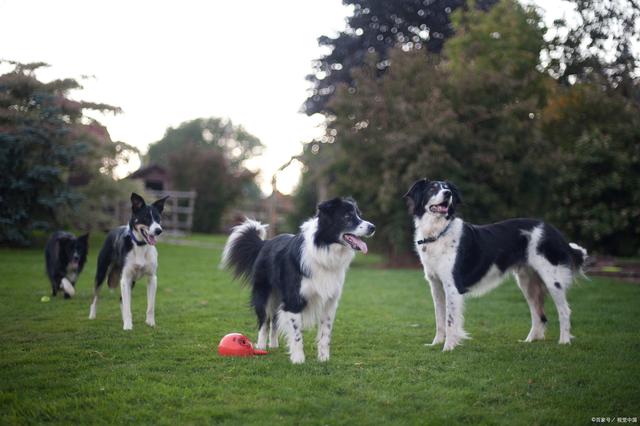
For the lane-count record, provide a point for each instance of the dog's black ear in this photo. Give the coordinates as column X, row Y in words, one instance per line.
column 83, row 242
column 457, row 199
column 137, row 202
column 84, row 239
column 414, row 194
column 327, row 206
column 159, row 204
column 455, row 192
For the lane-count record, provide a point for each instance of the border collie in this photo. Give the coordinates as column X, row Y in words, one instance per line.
column 128, row 254
column 460, row 258
column 65, row 256
column 297, row 279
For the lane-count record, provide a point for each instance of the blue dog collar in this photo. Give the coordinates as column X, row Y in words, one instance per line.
column 432, row 239
column 135, row 240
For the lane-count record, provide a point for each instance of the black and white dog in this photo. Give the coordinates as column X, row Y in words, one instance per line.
column 65, row 256
column 128, row 254
column 460, row 258
column 297, row 279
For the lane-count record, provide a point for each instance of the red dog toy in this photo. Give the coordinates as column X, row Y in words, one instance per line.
column 236, row 344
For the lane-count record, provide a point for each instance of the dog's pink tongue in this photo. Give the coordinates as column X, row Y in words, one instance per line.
column 151, row 240
column 359, row 243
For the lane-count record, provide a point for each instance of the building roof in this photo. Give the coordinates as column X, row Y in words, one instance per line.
column 143, row 172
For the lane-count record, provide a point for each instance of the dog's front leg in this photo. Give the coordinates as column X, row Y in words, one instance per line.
column 68, row 287
column 454, row 316
column 439, row 307
column 325, row 326
column 151, row 300
column 292, row 325
column 125, row 294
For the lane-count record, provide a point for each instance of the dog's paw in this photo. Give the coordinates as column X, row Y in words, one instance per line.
column 531, row 339
column 436, row 341
column 68, row 288
column 150, row 322
column 297, row 358
column 92, row 315
column 450, row 345
column 323, row 355
column 127, row 326
column 274, row 344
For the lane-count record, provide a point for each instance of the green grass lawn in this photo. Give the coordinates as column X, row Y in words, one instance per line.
column 56, row 366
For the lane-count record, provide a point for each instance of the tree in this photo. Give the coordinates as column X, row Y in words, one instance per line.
column 464, row 115
column 486, row 114
column 596, row 45
column 386, row 137
column 375, row 27
column 497, row 92
column 233, row 142
column 317, row 159
column 44, row 147
column 92, row 179
column 208, row 155
column 593, row 191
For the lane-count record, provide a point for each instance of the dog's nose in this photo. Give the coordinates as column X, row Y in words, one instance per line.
column 158, row 231
column 446, row 193
column 372, row 228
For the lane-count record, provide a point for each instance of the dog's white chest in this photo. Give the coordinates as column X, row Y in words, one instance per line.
column 141, row 260
column 318, row 291
column 327, row 270
column 440, row 255
column 323, row 286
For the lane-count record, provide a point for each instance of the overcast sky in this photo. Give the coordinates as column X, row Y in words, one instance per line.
column 168, row 62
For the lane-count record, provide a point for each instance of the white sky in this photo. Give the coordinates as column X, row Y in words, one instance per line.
column 168, row 62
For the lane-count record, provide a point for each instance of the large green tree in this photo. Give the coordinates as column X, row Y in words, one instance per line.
column 518, row 137
column 50, row 154
column 207, row 155
column 376, row 26
column 497, row 91
column 465, row 115
column 594, row 193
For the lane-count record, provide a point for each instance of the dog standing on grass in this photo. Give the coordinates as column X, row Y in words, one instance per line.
column 296, row 280
column 128, row 254
column 460, row 258
column 65, row 256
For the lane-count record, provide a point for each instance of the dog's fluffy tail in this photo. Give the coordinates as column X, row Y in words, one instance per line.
column 242, row 248
column 579, row 257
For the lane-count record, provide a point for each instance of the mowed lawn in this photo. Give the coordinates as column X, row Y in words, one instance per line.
column 56, row 366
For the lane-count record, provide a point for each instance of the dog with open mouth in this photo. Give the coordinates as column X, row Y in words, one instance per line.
column 297, row 280
column 65, row 256
column 128, row 254
column 460, row 259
